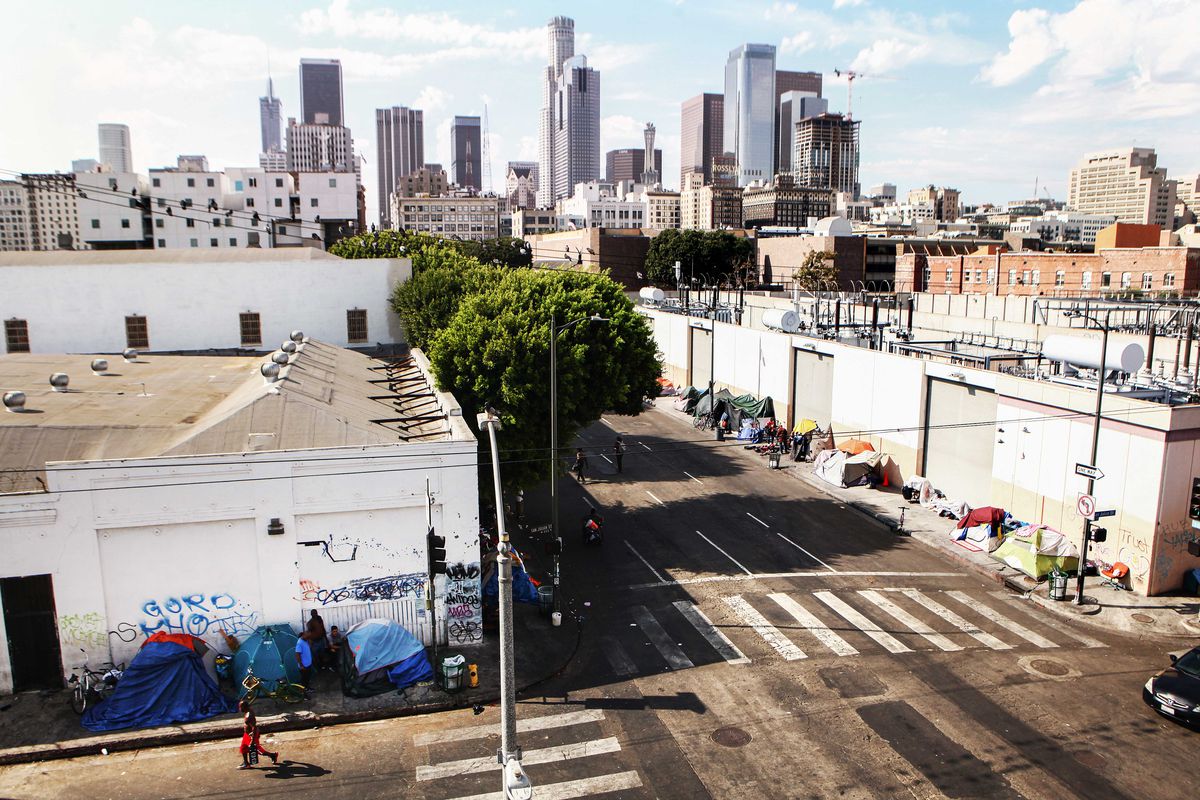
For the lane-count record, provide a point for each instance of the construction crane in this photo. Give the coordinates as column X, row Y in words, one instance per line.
column 487, row 155
column 850, row 76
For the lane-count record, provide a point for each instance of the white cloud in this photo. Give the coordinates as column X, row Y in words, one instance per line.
column 384, row 23
column 847, row 3
column 888, row 55
column 801, row 42
column 527, row 149
column 1032, row 43
column 432, row 99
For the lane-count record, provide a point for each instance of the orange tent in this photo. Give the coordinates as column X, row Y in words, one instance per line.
column 855, row 446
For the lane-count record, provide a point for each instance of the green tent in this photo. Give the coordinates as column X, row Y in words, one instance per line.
column 1037, row 550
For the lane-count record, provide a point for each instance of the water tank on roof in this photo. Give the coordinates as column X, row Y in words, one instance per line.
column 782, row 319
column 833, row 226
column 1082, row 351
column 652, row 294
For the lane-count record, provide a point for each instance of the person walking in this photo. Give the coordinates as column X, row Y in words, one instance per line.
column 580, row 465
column 619, row 452
column 250, row 737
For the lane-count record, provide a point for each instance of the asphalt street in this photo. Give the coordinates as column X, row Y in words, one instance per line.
column 742, row 636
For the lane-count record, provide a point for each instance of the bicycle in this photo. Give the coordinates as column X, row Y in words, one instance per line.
column 703, row 422
column 89, row 686
column 282, row 689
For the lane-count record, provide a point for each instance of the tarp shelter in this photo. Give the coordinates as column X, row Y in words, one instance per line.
column 804, row 426
column 380, row 656
column 686, row 400
column 1036, row 550
column 841, row 469
column 855, row 446
column 165, row 684
column 271, row 651
column 524, row 589
column 743, row 407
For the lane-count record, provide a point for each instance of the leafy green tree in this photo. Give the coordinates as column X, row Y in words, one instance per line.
column 817, row 271
column 707, row 256
column 428, row 300
column 506, row 251
column 496, row 349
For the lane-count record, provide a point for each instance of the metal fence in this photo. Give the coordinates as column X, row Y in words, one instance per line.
column 409, row 613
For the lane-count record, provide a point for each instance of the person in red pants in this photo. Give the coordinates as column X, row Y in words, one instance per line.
column 250, row 737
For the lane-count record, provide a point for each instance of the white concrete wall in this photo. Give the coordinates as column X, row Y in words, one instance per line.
column 81, row 308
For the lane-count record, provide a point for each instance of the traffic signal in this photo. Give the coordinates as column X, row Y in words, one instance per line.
column 1194, row 506
column 1099, row 535
column 437, row 553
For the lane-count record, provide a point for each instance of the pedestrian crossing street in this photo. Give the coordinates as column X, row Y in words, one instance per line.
column 843, row 623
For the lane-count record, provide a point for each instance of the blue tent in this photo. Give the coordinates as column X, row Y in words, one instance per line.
column 382, row 655
column 165, row 684
column 271, row 650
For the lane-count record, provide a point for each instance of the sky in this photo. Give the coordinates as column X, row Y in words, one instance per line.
column 992, row 97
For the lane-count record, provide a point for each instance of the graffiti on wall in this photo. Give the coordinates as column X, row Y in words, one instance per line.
column 366, row 590
column 463, row 613
column 197, row 614
column 82, row 630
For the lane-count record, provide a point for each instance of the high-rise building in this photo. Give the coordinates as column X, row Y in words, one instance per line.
column 1126, row 183
column 15, row 233
column 399, row 151
column 84, row 165
column 569, row 133
column 115, row 148
column 53, row 211
column 701, row 134
column 750, row 103
column 466, row 161
column 943, row 201
column 811, row 84
column 520, row 184
column 652, row 176
column 319, row 148
column 709, row 207
column 783, row 203
column 793, row 107
column 321, row 91
column 270, row 117
column 628, row 164
column 825, row 153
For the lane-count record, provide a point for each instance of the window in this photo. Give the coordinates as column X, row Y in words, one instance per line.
column 283, row 230
column 1012, row 277
column 216, row 222
column 251, row 328
column 213, row 242
column 356, row 325
column 949, row 276
column 158, row 223
column 279, row 183
column 95, row 223
column 279, row 202
column 928, row 276
column 979, row 276
column 156, row 182
column 195, row 242
column 162, row 242
column 253, row 182
column 124, row 223
column 249, row 202
column 1126, row 280
column 1147, row 281
column 191, row 223
column 1086, row 280
column 1025, row 277
column 16, row 335
column 312, row 202
column 209, row 182
column 1105, row 279
column 333, row 183
column 137, row 333
column 191, row 182
column 233, row 241
column 991, row 276
column 966, row 276
column 1037, row 277
column 1168, row 280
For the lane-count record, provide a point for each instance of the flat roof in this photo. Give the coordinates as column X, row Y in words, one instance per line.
column 166, row 256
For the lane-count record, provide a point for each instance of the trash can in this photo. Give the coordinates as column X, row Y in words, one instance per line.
column 1058, row 585
column 720, row 434
column 545, row 600
column 452, row 672
column 773, row 460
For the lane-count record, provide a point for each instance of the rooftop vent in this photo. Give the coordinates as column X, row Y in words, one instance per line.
column 270, row 371
column 59, row 381
column 280, row 358
column 99, row 366
column 288, row 347
column 14, row 401
column 297, row 337
column 129, row 354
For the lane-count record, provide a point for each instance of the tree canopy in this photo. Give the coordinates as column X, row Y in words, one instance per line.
column 817, row 272
column 708, row 256
column 427, row 251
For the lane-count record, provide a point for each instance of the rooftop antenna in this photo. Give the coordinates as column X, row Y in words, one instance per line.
column 487, row 155
column 850, row 76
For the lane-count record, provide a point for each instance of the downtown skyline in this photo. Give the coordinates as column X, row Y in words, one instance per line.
column 987, row 103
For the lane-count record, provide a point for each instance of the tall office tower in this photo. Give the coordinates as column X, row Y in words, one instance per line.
column 750, row 111
column 789, row 81
column 321, row 91
column 569, row 133
column 400, row 151
column 270, row 116
column 793, row 107
column 115, row 149
column 629, row 164
column 826, row 153
column 652, row 177
column 1127, row 184
column 520, row 185
column 465, row 153
column 702, row 137
column 319, row 148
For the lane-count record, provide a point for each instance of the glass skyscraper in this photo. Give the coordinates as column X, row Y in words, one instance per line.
column 750, row 111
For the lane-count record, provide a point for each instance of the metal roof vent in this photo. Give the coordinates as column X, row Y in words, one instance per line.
column 297, row 337
column 59, row 381
column 14, row 401
column 270, row 371
column 288, row 347
column 280, row 358
column 99, row 366
column 129, row 354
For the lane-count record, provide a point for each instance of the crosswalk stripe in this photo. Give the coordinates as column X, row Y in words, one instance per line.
column 719, row 641
column 663, row 643
column 1070, row 633
column 814, row 626
column 889, row 642
column 545, row 755
column 783, row 645
column 524, row 725
column 954, row 619
column 1004, row 622
column 617, row 658
column 908, row 620
column 567, row 790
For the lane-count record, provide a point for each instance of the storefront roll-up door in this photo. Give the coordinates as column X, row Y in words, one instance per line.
column 702, row 354
column 958, row 449
column 812, row 388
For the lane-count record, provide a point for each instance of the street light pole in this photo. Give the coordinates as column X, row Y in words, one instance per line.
column 515, row 783
column 1091, row 484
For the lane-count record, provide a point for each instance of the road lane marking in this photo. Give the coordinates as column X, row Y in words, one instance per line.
column 813, row 625
column 568, row 790
column 524, row 725
column 731, row 558
column 546, row 755
column 643, row 444
column 618, row 659
column 1086, row 641
column 664, row 644
column 954, row 619
column 839, row 606
column 606, row 458
column 606, row 422
column 655, row 497
column 909, row 621
column 987, row 612
column 770, row 634
column 693, row 477
column 756, row 519
column 719, row 641
column 657, row 574
column 758, row 576
column 802, row 550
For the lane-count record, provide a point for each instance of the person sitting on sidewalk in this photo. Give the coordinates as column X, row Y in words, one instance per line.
column 250, row 736
column 336, row 640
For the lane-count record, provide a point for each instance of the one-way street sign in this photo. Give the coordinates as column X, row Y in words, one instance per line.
column 1089, row 471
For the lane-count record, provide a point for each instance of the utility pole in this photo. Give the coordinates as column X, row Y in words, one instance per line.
column 435, row 550
column 1101, row 371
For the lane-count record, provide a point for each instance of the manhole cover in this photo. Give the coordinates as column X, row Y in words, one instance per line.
column 1090, row 759
column 1047, row 667
column 731, row 737
column 1145, row 619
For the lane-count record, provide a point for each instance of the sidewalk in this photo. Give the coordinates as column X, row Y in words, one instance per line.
column 38, row 726
column 1104, row 608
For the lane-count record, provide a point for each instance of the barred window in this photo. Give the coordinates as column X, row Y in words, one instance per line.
column 16, row 335
column 137, row 333
column 251, row 328
column 356, row 325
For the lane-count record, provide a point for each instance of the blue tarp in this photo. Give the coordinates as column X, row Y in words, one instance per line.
column 165, row 684
column 271, row 650
column 523, row 589
column 381, row 655
column 411, row 670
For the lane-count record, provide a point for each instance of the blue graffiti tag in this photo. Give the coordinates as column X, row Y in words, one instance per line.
column 198, row 614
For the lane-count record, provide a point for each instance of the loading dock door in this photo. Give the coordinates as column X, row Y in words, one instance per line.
column 812, row 388
column 702, row 354
column 32, row 626
column 958, row 449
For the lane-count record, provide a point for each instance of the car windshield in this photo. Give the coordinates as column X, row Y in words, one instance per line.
column 1190, row 663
